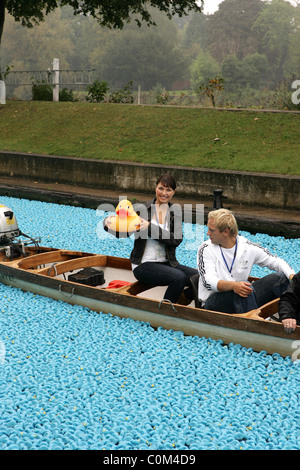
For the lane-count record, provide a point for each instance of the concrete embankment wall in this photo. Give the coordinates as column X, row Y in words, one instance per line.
column 253, row 189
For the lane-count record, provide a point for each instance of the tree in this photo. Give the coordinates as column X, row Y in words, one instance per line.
column 232, row 72
column 33, row 49
column 274, row 27
column 255, row 69
column 112, row 13
column 230, row 28
column 85, row 34
column 195, row 31
column 251, row 72
column 202, row 69
column 212, row 89
column 293, row 66
column 146, row 57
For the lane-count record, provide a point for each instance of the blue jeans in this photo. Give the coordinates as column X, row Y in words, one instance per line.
column 162, row 274
column 264, row 290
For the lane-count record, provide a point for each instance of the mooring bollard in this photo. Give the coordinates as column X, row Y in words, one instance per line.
column 218, row 197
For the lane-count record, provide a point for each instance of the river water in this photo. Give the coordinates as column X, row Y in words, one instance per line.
column 71, row 378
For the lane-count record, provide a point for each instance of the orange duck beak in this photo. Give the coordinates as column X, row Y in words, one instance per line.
column 124, row 208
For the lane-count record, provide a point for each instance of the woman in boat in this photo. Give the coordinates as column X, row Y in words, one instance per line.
column 153, row 257
column 225, row 262
column 289, row 305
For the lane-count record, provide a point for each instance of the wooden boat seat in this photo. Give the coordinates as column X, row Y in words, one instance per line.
column 50, row 257
column 72, row 264
column 266, row 311
column 253, row 314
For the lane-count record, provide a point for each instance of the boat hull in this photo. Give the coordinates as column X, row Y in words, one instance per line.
column 249, row 331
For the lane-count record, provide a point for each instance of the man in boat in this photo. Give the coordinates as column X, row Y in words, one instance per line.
column 224, row 265
column 289, row 305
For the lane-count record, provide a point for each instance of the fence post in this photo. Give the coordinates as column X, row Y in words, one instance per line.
column 55, row 65
column 2, row 92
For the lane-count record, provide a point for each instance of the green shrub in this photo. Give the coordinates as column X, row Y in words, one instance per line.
column 97, row 91
column 66, row 95
column 124, row 95
column 42, row 92
column 281, row 97
column 162, row 98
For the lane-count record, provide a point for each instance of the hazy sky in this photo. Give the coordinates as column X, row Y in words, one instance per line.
column 210, row 6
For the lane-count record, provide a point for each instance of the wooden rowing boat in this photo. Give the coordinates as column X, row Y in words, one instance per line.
column 46, row 271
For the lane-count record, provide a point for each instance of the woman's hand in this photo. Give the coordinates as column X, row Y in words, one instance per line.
column 144, row 224
column 107, row 221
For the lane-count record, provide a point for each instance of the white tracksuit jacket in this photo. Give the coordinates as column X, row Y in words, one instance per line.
column 212, row 268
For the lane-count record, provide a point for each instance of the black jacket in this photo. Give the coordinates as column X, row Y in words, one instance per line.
column 289, row 302
column 170, row 238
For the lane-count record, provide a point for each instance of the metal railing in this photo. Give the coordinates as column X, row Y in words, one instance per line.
column 65, row 77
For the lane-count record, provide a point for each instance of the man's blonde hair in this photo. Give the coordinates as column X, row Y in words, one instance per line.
column 224, row 219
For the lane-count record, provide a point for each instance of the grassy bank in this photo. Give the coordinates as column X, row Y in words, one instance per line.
column 243, row 140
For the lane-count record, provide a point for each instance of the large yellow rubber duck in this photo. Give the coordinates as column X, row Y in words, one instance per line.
column 126, row 219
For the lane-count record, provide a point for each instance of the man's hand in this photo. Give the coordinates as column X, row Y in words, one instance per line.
column 289, row 325
column 242, row 288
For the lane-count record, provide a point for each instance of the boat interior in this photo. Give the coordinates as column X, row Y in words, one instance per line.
column 105, row 272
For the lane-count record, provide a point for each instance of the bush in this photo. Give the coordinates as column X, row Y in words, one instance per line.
column 97, row 91
column 281, row 97
column 162, row 98
column 66, row 95
column 42, row 92
column 124, row 95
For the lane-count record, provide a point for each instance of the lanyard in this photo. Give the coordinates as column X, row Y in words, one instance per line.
column 234, row 256
column 166, row 218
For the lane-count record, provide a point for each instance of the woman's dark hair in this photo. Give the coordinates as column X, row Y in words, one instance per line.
column 167, row 180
